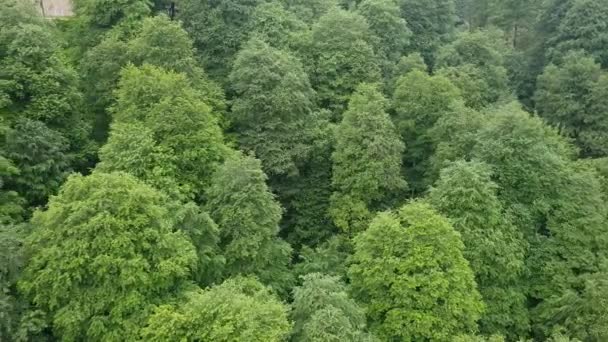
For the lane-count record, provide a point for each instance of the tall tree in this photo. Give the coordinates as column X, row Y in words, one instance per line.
column 166, row 103
column 409, row 270
column 419, row 101
column 494, row 247
column 475, row 63
column 36, row 82
column 239, row 309
column 273, row 108
column 584, row 28
column 367, row 160
column 248, row 216
column 277, row 26
column 218, row 29
column 156, row 41
column 102, row 256
column 391, row 36
column 310, row 10
column 432, row 24
column 323, row 311
column 341, row 56
column 573, row 96
column 41, row 158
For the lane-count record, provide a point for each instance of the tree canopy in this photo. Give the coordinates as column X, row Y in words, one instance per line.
column 304, row 170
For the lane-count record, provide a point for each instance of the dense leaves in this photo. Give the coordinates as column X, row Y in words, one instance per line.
column 304, row 170
column 408, row 266
column 92, row 268
column 239, row 309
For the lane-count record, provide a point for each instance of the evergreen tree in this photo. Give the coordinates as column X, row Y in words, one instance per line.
column 584, row 28
column 391, row 36
column 408, row 269
column 240, row 309
column 156, row 41
column 36, row 82
column 218, row 29
column 102, row 256
column 367, row 160
column 41, row 158
column 277, row 26
column 310, row 10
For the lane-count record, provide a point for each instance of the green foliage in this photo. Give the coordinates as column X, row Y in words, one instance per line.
column 132, row 148
column 102, row 255
column 411, row 62
column 583, row 313
column 248, row 216
column 240, row 309
column 432, row 23
column 277, row 26
column 273, row 110
column 419, row 101
column 306, row 197
column 166, row 103
column 341, row 57
column 584, row 28
column 569, row 248
column 36, row 82
column 41, row 160
column 218, row 29
column 455, row 135
column 11, row 204
column 366, row 160
column 107, row 13
column 573, row 97
column 494, row 248
column 323, row 311
column 408, row 266
column 528, row 157
column 310, row 10
column 474, row 62
column 156, row 41
column 391, row 36
column 12, row 260
column 330, row 257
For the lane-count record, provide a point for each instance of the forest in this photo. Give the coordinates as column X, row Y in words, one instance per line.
column 304, row 170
